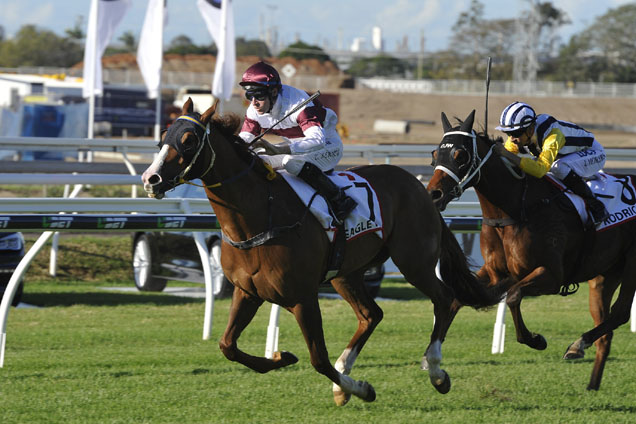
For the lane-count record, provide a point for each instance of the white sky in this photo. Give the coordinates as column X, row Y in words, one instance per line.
column 334, row 21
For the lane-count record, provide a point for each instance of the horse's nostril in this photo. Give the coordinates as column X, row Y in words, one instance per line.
column 154, row 179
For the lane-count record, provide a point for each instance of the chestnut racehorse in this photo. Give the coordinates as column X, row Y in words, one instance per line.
column 290, row 262
column 533, row 241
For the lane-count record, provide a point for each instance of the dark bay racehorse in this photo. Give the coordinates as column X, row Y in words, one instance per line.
column 533, row 242
column 250, row 202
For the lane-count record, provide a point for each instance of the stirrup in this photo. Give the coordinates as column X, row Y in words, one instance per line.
column 342, row 208
column 599, row 214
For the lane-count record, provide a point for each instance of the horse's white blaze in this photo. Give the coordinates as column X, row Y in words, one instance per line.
column 344, row 364
column 154, row 168
column 434, row 359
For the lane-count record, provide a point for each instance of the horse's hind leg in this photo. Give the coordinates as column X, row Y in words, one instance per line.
column 369, row 315
column 418, row 268
column 605, row 320
column 309, row 319
column 242, row 311
column 601, row 292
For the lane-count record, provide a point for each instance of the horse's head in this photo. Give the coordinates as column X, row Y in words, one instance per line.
column 186, row 152
column 455, row 161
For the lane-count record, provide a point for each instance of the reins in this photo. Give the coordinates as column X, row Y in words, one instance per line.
column 271, row 232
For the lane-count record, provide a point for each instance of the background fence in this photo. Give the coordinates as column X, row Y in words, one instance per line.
column 174, row 80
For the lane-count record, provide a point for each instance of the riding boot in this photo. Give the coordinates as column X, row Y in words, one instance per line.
column 597, row 209
column 340, row 204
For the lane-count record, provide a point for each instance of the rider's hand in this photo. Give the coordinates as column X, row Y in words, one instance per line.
column 499, row 149
column 271, row 149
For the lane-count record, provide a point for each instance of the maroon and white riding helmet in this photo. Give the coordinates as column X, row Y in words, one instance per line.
column 260, row 74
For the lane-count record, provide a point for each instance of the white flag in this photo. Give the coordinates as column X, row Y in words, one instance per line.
column 219, row 19
column 104, row 17
column 150, row 49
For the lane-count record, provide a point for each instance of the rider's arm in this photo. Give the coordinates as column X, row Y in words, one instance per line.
column 314, row 139
column 539, row 166
column 250, row 129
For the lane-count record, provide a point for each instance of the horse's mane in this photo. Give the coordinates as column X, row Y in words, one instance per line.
column 229, row 125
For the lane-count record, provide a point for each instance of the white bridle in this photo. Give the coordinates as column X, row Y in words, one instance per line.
column 475, row 165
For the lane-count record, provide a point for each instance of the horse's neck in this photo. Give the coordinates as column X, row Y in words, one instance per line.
column 241, row 205
column 500, row 194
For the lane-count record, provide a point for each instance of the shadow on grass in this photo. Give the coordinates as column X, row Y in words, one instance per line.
column 103, row 298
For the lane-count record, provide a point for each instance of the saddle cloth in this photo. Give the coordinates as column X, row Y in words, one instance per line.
column 365, row 218
column 617, row 194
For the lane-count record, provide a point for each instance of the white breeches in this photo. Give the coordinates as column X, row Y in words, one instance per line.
column 585, row 163
column 325, row 159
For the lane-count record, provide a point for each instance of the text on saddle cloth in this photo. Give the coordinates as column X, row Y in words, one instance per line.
column 618, row 194
column 365, row 218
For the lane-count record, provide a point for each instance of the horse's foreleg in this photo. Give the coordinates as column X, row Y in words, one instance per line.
column 539, row 281
column 242, row 311
column 310, row 321
column 369, row 315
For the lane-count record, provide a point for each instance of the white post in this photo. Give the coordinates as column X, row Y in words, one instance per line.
column 499, row 332
column 271, row 345
column 207, row 274
column 56, row 237
column 633, row 324
column 12, row 287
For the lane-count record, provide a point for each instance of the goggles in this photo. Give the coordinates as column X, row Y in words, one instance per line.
column 517, row 133
column 259, row 95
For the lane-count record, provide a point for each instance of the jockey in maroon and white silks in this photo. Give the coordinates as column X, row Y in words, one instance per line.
column 312, row 145
column 311, row 131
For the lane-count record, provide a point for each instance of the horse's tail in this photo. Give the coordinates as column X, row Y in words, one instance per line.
column 455, row 272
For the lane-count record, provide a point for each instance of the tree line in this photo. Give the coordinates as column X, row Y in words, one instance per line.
column 602, row 52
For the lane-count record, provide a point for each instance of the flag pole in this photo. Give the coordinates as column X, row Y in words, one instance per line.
column 93, row 77
column 158, row 108
column 221, row 51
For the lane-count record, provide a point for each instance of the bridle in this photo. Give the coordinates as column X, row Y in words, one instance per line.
column 475, row 166
column 202, row 133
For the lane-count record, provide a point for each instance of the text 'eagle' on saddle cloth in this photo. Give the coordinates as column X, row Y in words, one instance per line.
column 366, row 217
column 617, row 194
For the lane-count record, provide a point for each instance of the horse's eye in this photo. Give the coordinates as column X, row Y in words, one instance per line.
column 189, row 143
column 461, row 157
column 434, row 157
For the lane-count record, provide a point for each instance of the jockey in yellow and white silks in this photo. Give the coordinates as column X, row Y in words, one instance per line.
column 565, row 149
column 312, row 144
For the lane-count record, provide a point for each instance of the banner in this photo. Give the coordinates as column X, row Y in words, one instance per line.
column 219, row 20
column 150, row 49
column 103, row 18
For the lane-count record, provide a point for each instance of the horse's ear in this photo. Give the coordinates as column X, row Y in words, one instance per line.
column 207, row 115
column 446, row 125
column 467, row 125
column 187, row 107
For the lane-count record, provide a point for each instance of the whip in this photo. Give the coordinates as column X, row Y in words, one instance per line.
column 296, row 109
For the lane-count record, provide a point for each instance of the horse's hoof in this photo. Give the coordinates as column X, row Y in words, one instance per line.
column 285, row 358
column 445, row 386
column 341, row 398
column 370, row 397
column 573, row 352
column 538, row 342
